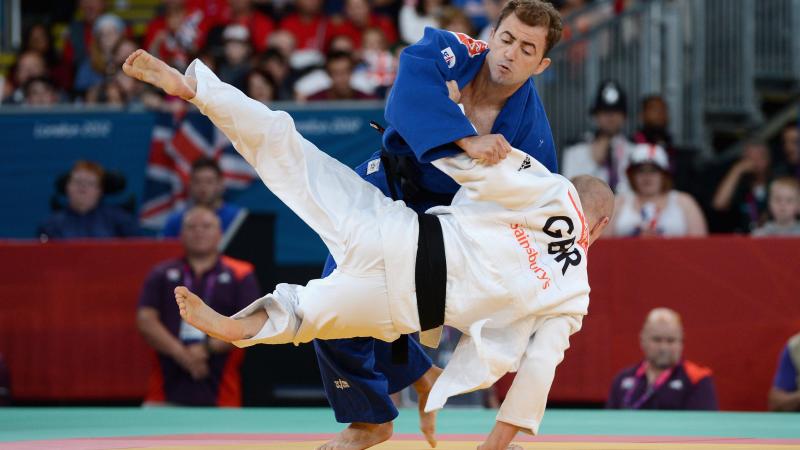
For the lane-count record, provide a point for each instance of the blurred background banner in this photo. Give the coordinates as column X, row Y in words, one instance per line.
column 40, row 146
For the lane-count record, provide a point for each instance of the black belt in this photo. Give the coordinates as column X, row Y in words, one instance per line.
column 430, row 273
column 431, row 267
column 430, row 278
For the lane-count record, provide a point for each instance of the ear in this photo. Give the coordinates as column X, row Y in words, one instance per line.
column 543, row 65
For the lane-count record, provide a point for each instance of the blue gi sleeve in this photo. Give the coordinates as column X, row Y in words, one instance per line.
column 419, row 106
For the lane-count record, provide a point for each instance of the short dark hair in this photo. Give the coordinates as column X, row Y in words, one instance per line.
column 26, row 88
column 535, row 13
column 336, row 55
column 206, row 163
column 647, row 99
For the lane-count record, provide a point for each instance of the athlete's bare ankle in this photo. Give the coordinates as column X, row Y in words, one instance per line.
column 426, row 381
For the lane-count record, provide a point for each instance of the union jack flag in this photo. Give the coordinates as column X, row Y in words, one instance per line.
column 178, row 141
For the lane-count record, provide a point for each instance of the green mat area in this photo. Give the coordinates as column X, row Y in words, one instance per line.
column 19, row 424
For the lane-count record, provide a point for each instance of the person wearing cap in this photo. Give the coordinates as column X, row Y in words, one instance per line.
column 663, row 380
column 605, row 151
column 108, row 30
column 652, row 207
column 235, row 64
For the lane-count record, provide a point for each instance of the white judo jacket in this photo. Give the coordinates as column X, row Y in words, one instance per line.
column 516, row 242
column 516, row 252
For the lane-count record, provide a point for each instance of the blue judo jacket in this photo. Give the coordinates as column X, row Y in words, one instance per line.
column 422, row 120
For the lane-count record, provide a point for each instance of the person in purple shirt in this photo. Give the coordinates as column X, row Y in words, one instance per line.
column 664, row 380
column 85, row 216
column 5, row 383
column 193, row 369
column 785, row 392
column 206, row 187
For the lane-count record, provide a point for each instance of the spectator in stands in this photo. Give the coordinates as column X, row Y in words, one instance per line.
column 784, row 207
column 309, row 26
column 653, row 208
column 40, row 91
column 29, row 65
column 242, row 12
column 176, row 34
column 379, row 65
column 493, row 10
column 206, row 188
column 109, row 92
column 474, row 11
column 789, row 163
column 284, row 42
column 741, row 197
column 415, row 16
column 38, row 39
column 606, row 150
column 454, row 19
column 785, row 392
column 193, row 369
column 5, row 383
column 260, row 86
column 108, row 31
column 339, row 67
column 277, row 67
column 358, row 16
column 235, row 63
column 663, row 380
column 654, row 123
column 78, row 44
column 85, row 216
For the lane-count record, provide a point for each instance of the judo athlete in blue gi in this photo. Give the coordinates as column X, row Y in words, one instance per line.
column 503, row 110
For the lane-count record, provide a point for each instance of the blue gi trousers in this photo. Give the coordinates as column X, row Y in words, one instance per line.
column 358, row 374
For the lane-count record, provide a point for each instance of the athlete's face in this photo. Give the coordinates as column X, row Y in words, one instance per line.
column 516, row 51
column 662, row 343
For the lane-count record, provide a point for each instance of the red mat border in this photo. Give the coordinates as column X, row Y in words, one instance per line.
column 106, row 443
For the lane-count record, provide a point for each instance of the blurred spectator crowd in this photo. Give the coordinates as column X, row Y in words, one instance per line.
column 318, row 50
column 273, row 50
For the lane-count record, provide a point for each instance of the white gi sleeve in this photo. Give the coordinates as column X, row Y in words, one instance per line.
column 526, row 400
column 517, row 182
column 252, row 127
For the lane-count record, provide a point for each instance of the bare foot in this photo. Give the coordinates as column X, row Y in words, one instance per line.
column 427, row 421
column 145, row 67
column 197, row 313
column 359, row 436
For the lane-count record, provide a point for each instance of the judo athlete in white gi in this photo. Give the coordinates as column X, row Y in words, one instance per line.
column 515, row 244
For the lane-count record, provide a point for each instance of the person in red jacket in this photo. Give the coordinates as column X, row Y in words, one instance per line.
column 358, row 17
column 309, row 26
column 242, row 12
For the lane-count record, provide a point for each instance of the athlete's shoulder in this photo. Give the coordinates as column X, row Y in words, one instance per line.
column 460, row 42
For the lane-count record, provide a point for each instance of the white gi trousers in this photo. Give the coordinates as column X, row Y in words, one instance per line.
column 346, row 212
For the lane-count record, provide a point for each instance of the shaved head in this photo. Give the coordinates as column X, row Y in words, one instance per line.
column 597, row 200
column 662, row 338
column 663, row 315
